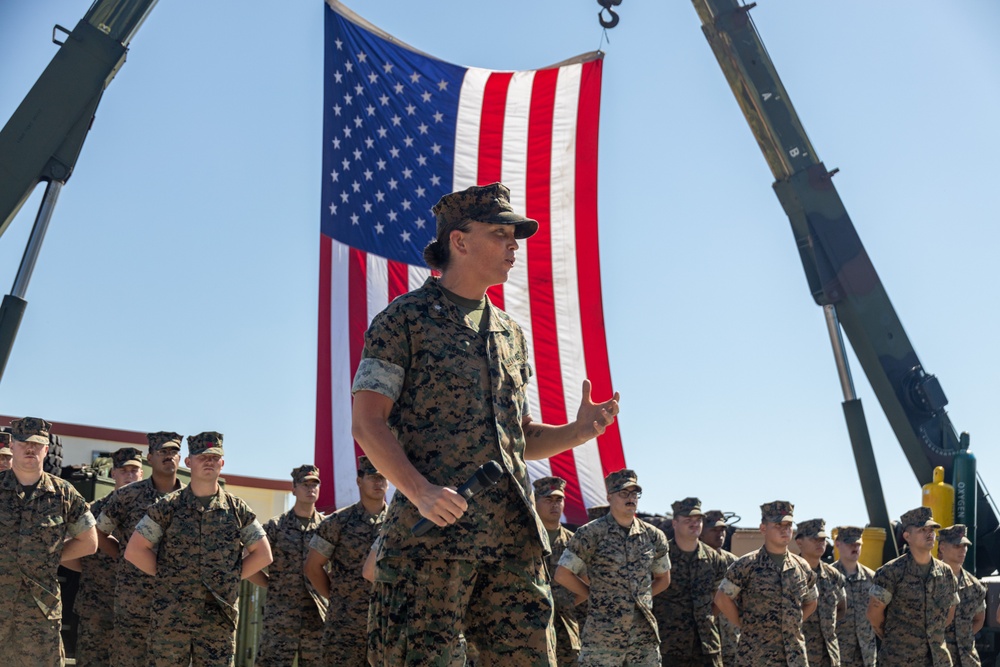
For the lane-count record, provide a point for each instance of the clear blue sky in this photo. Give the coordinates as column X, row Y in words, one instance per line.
column 177, row 287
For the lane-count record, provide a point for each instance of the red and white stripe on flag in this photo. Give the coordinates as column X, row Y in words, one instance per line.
column 537, row 132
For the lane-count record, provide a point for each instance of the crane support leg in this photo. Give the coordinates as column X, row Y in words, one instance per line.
column 861, row 442
column 12, row 309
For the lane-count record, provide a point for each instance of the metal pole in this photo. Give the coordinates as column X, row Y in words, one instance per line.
column 839, row 356
column 12, row 308
column 34, row 246
column 861, row 443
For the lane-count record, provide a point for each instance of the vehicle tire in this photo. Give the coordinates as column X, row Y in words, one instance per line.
column 53, row 460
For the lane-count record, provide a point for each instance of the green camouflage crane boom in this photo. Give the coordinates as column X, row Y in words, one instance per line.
column 43, row 139
column 843, row 280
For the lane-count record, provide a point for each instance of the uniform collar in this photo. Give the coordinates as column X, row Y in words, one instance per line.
column 635, row 528
column 220, row 501
column 859, row 574
column 699, row 551
column 8, row 482
column 292, row 520
column 763, row 555
column 359, row 510
column 148, row 481
column 444, row 308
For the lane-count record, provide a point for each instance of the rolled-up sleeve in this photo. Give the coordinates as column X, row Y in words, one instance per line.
column 385, row 357
column 572, row 562
column 84, row 523
column 661, row 562
column 321, row 546
column 881, row 594
column 883, row 586
column 735, row 579
column 105, row 524
column 78, row 516
column 379, row 376
column 252, row 533
column 150, row 530
column 729, row 589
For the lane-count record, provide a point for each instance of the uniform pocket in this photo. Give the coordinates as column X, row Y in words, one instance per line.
column 51, row 531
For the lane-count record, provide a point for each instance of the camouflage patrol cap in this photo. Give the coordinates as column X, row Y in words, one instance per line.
column 956, row 535
column 849, row 534
column 5, row 449
column 715, row 519
column 597, row 511
column 164, row 440
column 777, row 511
column 549, row 486
column 918, row 518
column 366, row 467
column 31, row 429
column 305, row 472
column 482, row 203
column 687, row 507
column 127, row 456
column 812, row 528
column 621, row 480
column 206, row 442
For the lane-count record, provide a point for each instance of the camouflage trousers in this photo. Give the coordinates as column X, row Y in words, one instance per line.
column 205, row 638
column 851, row 655
column 693, row 660
column 730, row 636
column 677, row 654
column 822, row 660
column 566, row 655
column 961, row 656
column 281, row 644
column 27, row 637
column 93, row 641
column 133, row 599
column 422, row 608
column 638, row 657
column 345, row 644
column 638, row 646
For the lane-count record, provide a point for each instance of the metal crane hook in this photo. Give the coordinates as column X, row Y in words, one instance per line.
column 606, row 7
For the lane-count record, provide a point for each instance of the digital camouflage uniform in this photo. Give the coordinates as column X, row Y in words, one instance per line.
column 916, row 606
column 565, row 618
column 6, row 453
column 620, row 563
column 345, row 537
column 729, row 634
column 198, row 570
column 95, row 604
column 567, row 624
column 95, row 594
column 855, row 636
column 33, row 528
column 770, row 602
column 689, row 634
column 133, row 588
column 960, row 638
column 959, row 635
column 293, row 611
column 820, row 629
column 459, row 399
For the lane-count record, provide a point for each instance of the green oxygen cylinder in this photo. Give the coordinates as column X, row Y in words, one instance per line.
column 964, row 478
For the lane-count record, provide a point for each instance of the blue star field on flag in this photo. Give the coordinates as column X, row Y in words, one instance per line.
column 388, row 142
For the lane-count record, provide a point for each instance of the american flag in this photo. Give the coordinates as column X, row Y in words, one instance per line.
column 401, row 129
